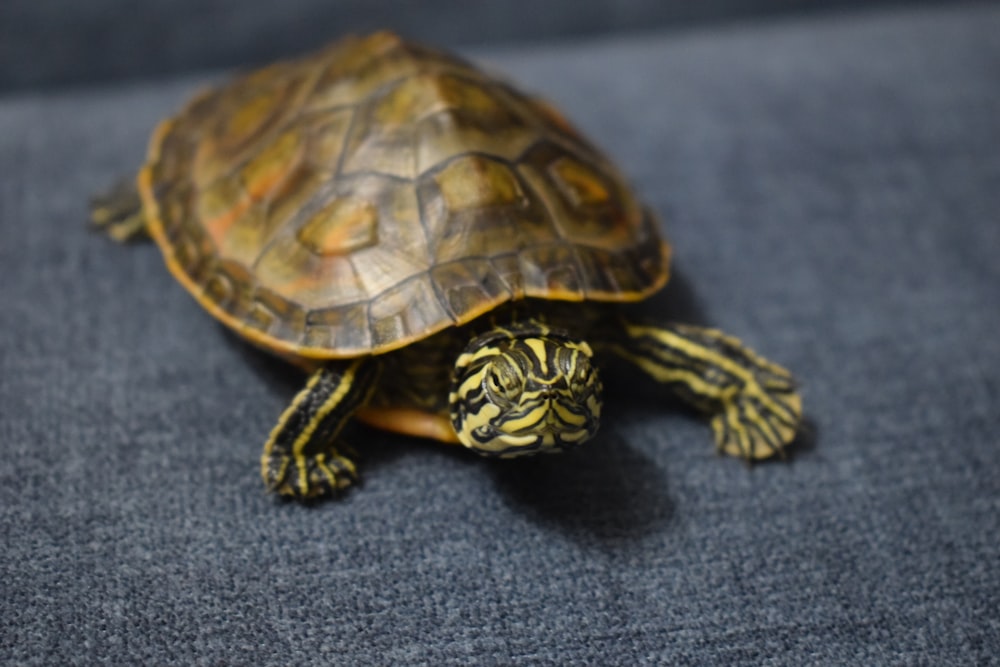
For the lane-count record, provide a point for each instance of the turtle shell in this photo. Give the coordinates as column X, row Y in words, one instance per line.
column 368, row 195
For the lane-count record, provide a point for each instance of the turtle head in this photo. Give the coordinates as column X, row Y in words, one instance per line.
column 525, row 389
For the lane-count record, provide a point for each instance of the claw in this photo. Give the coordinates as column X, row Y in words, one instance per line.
column 324, row 474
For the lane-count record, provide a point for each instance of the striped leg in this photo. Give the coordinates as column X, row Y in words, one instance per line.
column 752, row 402
column 118, row 212
column 300, row 458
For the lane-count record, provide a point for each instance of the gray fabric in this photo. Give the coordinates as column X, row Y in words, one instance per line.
column 46, row 42
column 831, row 190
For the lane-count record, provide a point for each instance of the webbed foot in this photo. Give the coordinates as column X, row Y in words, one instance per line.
column 313, row 476
column 759, row 419
column 753, row 405
column 118, row 212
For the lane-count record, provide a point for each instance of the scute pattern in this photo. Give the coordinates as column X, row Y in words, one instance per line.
column 368, row 195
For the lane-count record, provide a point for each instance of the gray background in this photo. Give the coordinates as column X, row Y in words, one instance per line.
column 831, row 189
column 51, row 42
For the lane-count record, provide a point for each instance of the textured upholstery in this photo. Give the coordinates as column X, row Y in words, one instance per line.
column 48, row 42
column 831, row 191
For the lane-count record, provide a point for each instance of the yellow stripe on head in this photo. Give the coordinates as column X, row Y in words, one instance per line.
column 525, row 389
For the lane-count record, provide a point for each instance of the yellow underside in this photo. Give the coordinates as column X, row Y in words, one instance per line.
column 409, row 421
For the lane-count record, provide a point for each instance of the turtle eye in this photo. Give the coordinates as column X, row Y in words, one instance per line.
column 503, row 383
column 583, row 375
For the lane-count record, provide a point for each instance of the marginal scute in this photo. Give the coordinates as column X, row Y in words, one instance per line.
column 219, row 288
column 607, row 272
column 551, row 270
column 260, row 317
column 468, row 286
column 344, row 328
column 363, row 197
column 405, row 310
column 272, row 313
column 235, row 296
column 177, row 204
column 508, row 269
column 195, row 252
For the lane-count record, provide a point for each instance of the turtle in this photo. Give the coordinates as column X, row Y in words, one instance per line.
column 443, row 255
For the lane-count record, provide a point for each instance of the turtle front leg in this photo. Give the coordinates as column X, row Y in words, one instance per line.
column 301, row 458
column 118, row 212
column 753, row 404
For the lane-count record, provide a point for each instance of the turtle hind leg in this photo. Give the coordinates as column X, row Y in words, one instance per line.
column 302, row 459
column 118, row 212
column 753, row 405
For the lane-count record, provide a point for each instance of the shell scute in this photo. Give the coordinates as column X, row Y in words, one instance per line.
column 343, row 327
column 406, row 310
column 467, row 285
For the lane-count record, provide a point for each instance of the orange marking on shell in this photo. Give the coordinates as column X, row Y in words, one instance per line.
column 261, row 177
column 273, row 165
column 474, row 181
column 342, row 226
column 580, row 183
column 219, row 226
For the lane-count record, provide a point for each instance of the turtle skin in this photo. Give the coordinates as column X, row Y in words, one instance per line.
column 371, row 194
